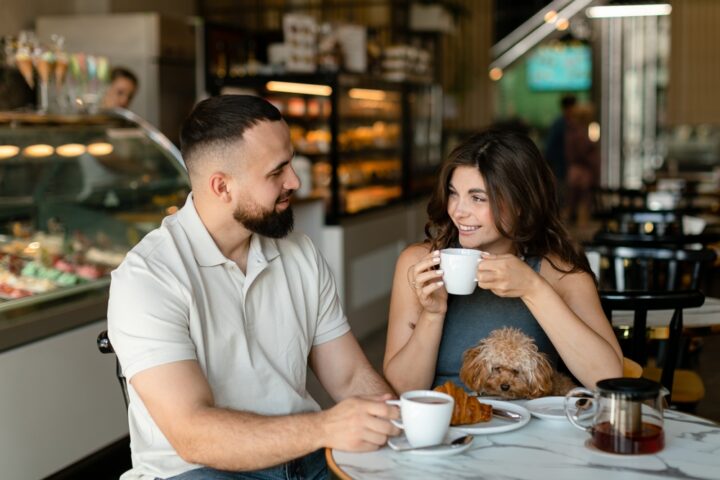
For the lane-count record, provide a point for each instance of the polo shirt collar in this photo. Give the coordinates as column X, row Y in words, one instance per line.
column 207, row 254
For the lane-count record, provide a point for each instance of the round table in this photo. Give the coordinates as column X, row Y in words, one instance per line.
column 551, row 449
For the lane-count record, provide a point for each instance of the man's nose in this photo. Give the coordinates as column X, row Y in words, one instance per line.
column 293, row 181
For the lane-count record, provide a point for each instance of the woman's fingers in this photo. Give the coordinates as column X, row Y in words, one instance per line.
column 429, row 276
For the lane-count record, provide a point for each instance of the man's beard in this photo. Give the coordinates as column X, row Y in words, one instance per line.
column 270, row 224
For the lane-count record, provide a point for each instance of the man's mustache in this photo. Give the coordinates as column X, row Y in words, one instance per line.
column 285, row 196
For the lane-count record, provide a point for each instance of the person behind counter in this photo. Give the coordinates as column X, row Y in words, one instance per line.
column 496, row 193
column 216, row 315
column 123, row 87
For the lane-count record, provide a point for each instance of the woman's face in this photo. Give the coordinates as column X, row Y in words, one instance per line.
column 469, row 209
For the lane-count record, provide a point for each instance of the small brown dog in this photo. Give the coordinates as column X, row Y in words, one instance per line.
column 508, row 364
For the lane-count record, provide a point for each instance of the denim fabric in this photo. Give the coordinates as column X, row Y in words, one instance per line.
column 309, row 467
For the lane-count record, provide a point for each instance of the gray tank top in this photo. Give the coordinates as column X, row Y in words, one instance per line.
column 470, row 318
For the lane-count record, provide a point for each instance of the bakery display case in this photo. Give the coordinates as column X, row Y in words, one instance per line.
column 76, row 193
column 368, row 142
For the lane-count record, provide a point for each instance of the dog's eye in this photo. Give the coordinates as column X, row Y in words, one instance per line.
column 515, row 372
column 495, row 369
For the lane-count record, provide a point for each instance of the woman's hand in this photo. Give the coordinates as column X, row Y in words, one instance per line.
column 506, row 275
column 427, row 283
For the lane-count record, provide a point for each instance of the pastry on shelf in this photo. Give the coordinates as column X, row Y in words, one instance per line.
column 467, row 409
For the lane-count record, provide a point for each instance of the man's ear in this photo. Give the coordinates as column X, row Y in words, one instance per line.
column 219, row 184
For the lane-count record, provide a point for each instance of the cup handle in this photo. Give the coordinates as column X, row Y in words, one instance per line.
column 572, row 396
column 397, row 423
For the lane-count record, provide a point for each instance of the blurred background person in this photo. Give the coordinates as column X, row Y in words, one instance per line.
column 555, row 144
column 122, row 88
column 582, row 157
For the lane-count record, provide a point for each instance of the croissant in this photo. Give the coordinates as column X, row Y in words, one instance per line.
column 467, row 409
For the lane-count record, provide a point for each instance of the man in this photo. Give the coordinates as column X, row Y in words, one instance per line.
column 122, row 88
column 215, row 315
column 555, row 145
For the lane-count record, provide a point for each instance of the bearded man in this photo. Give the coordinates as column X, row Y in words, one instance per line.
column 216, row 315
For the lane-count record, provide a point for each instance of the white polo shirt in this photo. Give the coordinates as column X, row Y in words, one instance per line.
column 177, row 297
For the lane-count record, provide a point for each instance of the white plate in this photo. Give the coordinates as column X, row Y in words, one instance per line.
column 547, row 408
column 400, row 443
column 497, row 425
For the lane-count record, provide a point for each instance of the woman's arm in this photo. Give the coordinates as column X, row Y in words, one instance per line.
column 417, row 313
column 568, row 309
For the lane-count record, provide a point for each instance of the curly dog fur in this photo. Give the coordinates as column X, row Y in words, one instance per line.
column 508, row 364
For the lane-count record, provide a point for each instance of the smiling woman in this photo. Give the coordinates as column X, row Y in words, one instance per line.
column 496, row 193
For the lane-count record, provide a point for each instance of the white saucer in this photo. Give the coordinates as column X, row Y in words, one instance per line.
column 547, row 408
column 497, row 425
column 400, row 443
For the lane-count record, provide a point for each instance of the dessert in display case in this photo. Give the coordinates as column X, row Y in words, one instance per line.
column 355, row 131
column 76, row 193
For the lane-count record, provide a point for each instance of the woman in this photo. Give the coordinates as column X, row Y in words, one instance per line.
column 497, row 194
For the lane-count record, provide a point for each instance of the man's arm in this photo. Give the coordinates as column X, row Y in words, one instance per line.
column 344, row 370
column 181, row 403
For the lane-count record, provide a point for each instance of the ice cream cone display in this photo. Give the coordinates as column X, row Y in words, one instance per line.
column 61, row 67
column 23, row 61
column 44, row 63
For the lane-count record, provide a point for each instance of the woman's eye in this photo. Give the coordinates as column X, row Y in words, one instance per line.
column 479, row 199
column 452, row 194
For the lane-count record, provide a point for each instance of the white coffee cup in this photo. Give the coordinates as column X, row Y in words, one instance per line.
column 459, row 266
column 425, row 416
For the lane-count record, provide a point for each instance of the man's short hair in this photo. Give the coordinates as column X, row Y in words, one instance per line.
column 568, row 101
column 122, row 72
column 220, row 120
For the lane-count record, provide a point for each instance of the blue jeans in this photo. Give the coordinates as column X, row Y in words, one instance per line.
column 310, row 467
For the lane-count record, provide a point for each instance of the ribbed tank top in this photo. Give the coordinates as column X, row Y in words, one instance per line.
column 470, row 318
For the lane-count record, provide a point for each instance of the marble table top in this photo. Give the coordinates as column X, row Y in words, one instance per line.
column 706, row 315
column 552, row 449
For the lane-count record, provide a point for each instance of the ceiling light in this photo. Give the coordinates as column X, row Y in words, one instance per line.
column 38, row 150
column 562, row 24
column 99, row 149
column 8, row 151
column 613, row 11
column 299, row 88
column 550, row 16
column 70, row 150
column 496, row 74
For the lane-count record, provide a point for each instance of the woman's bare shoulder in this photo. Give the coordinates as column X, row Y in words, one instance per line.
column 554, row 269
column 414, row 252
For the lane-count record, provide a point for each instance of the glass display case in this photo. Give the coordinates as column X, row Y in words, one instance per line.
column 369, row 143
column 76, row 193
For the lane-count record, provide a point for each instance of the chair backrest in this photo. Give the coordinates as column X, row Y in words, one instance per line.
column 642, row 302
column 631, row 368
column 623, row 268
column 104, row 345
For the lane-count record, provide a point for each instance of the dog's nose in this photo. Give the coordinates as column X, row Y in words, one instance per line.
column 504, row 387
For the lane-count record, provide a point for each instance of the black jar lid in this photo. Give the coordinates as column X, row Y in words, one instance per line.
column 631, row 388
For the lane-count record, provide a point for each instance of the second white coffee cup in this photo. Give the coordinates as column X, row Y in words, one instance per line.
column 459, row 266
column 425, row 416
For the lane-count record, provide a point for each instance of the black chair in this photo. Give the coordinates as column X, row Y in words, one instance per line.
column 642, row 302
column 658, row 277
column 651, row 269
column 104, row 345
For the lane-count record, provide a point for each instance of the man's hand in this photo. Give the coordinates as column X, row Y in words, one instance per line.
column 359, row 424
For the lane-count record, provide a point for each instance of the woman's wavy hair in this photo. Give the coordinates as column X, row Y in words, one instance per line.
column 522, row 194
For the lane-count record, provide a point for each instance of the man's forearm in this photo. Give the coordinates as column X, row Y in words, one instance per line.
column 366, row 381
column 239, row 441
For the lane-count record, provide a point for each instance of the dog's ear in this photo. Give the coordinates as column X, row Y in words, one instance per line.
column 540, row 376
column 475, row 369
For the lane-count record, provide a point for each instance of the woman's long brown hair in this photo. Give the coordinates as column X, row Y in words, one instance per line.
column 522, row 194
